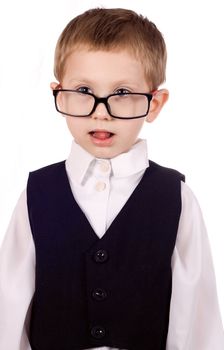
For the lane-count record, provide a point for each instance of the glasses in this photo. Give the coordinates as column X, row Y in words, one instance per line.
column 121, row 105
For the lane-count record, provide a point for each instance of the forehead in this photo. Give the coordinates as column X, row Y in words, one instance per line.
column 102, row 66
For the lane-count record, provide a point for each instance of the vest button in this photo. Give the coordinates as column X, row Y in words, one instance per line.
column 98, row 332
column 99, row 294
column 101, row 256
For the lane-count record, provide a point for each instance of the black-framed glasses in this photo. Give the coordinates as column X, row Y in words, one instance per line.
column 120, row 105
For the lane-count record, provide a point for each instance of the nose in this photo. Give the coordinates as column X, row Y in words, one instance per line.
column 101, row 112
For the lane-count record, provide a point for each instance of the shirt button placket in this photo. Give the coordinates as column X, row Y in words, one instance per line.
column 103, row 168
column 100, row 186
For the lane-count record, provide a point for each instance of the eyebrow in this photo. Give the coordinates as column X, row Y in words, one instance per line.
column 121, row 82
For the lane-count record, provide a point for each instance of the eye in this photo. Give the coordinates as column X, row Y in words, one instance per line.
column 122, row 91
column 84, row 90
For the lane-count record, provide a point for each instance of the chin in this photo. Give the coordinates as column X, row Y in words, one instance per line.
column 104, row 153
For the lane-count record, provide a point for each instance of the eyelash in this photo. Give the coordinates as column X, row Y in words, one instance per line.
column 122, row 91
column 86, row 89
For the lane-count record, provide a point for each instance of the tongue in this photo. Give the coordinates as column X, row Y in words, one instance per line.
column 102, row 135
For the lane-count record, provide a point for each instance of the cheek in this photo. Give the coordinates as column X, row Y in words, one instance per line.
column 134, row 128
column 68, row 122
column 72, row 125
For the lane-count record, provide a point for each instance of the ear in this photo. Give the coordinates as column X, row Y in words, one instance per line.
column 54, row 85
column 159, row 99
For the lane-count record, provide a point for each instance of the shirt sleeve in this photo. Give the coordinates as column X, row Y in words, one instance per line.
column 195, row 321
column 17, row 276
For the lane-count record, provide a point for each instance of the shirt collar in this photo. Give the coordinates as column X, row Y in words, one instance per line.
column 126, row 164
column 131, row 162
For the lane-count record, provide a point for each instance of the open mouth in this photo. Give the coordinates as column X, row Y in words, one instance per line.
column 101, row 134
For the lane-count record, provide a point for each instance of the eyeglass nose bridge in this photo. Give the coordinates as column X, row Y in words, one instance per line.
column 103, row 100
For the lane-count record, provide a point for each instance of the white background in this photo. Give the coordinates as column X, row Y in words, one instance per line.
column 188, row 135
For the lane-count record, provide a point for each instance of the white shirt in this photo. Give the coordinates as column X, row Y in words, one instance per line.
column 101, row 187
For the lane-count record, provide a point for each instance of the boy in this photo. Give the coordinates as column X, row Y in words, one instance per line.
column 108, row 250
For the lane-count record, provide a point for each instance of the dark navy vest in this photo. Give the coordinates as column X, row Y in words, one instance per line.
column 114, row 291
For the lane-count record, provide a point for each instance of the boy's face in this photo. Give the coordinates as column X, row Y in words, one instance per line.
column 103, row 73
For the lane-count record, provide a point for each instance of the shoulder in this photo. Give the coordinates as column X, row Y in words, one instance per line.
column 48, row 170
column 46, row 177
column 165, row 172
column 190, row 203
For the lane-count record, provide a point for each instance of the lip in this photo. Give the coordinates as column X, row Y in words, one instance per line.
column 101, row 137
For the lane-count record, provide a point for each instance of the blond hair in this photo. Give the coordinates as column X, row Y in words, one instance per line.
column 114, row 29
